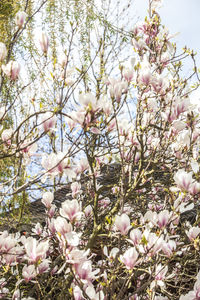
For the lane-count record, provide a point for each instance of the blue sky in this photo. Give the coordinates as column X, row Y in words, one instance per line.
column 181, row 16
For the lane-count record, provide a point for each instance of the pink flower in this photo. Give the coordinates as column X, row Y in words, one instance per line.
column 47, row 199
column 163, row 218
column 88, row 211
column 29, row 272
column 194, row 188
column 90, row 291
column 159, row 276
column 122, row 223
column 11, row 70
column 43, row 267
column 62, row 226
column 183, row 179
column 127, row 74
column 84, row 271
column 6, row 136
column 77, row 293
column 76, row 189
column 193, row 233
column 48, row 121
column 135, row 236
column 168, row 247
column 44, row 41
column 35, row 250
column 129, row 258
column 71, row 210
column 3, row 51
column 20, row 18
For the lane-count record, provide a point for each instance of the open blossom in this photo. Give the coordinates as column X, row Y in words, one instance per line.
column 71, row 210
column 193, row 233
column 20, row 18
column 84, row 271
column 44, row 41
column 35, row 250
column 122, row 223
column 62, row 226
column 29, row 272
column 129, row 258
column 90, row 291
column 11, row 70
column 3, row 51
column 160, row 276
column 58, row 163
column 88, row 100
column 169, row 247
column 183, row 179
column 48, row 121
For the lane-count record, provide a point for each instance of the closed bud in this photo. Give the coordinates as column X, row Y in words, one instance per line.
column 20, row 18
column 44, row 41
column 3, row 51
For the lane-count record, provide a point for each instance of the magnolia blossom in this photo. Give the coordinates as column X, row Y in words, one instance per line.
column 55, row 164
column 183, row 179
column 28, row 149
column 20, row 18
column 117, row 87
column 44, row 41
column 3, row 51
column 127, row 73
column 193, row 233
column 48, row 121
column 129, row 258
column 88, row 211
column 122, row 223
column 29, row 272
column 93, row 295
column 89, row 100
column 47, row 199
column 71, row 210
column 77, row 293
column 163, row 218
column 62, row 226
column 156, row 4
column 35, row 250
column 84, row 271
column 113, row 252
column 63, row 60
column 6, row 242
column 194, row 188
column 6, row 136
column 12, row 69
column 169, row 247
column 135, row 236
column 160, row 274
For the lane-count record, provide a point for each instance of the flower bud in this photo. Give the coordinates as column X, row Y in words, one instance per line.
column 3, row 51
column 44, row 41
column 20, row 18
